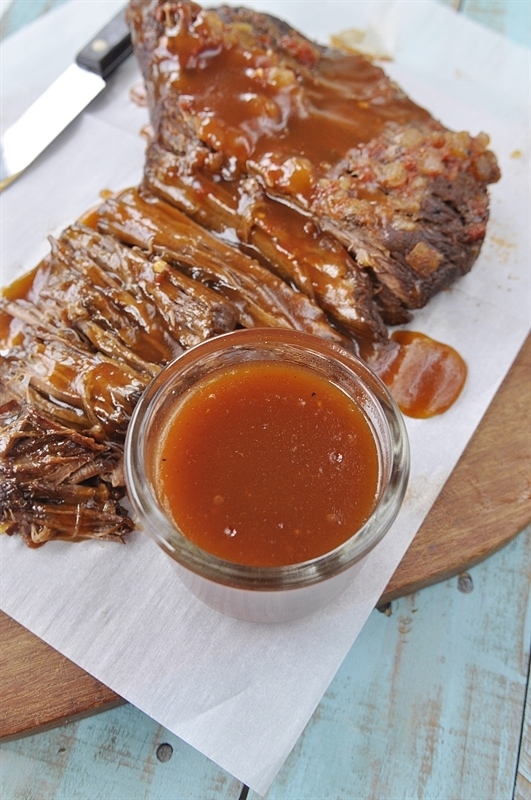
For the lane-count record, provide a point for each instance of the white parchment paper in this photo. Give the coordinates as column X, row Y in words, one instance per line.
column 242, row 693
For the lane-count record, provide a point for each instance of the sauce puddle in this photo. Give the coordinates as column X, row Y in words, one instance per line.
column 424, row 376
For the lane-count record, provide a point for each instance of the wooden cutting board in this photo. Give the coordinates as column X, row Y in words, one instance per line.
column 484, row 504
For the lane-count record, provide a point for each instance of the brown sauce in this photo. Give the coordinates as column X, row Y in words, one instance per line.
column 19, row 288
column 267, row 464
column 424, row 376
column 287, row 121
column 5, row 326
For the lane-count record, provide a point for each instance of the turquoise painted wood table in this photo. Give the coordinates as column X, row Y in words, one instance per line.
column 430, row 702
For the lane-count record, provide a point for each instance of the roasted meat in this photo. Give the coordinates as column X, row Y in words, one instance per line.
column 250, row 118
column 99, row 320
column 285, row 184
column 262, row 299
column 56, row 483
column 112, row 303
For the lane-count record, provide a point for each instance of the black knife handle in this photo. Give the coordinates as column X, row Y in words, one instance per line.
column 108, row 48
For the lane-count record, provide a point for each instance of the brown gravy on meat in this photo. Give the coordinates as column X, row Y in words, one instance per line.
column 424, row 376
column 288, row 123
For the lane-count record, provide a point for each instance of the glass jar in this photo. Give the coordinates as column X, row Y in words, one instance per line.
column 258, row 593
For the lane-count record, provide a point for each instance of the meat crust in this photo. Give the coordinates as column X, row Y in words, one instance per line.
column 239, row 98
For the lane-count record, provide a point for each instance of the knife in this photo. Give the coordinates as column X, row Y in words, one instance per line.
column 64, row 99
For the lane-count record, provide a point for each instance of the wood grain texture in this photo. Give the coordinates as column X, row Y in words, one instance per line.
column 522, row 789
column 120, row 755
column 511, row 18
column 484, row 504
column 40, row 687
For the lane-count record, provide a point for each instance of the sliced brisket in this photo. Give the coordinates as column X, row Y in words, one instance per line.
column 238, row 96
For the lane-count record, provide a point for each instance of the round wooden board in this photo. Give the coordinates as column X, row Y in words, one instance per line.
column 484, row 504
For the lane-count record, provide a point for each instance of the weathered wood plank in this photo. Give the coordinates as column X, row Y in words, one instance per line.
column 429, row 701
column 116, row 755
column 17, row 14
column 522, row 789
column 512, row 18
column 509, row 17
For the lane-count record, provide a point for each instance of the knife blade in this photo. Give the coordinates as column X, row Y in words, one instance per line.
column 64, row 100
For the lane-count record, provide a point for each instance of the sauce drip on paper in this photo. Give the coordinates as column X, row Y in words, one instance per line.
column 424, row 376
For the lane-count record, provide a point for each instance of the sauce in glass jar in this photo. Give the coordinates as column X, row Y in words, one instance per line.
column 267, row 464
